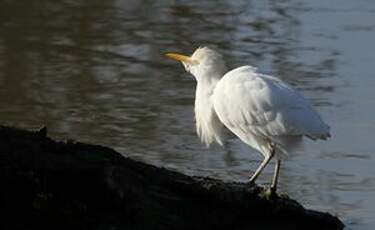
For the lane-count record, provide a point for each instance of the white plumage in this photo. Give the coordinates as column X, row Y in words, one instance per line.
column 263, row 111
column 261, row 107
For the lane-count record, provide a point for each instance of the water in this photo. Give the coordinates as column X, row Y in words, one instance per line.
column 94, row 71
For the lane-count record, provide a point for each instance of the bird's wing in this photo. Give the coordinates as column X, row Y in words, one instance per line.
column 248, row 101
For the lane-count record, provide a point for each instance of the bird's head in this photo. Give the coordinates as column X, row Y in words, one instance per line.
column 203, row 64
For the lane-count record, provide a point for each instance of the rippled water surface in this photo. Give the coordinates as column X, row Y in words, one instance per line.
column 94, row 71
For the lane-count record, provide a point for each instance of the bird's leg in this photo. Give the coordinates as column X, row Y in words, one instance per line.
column 275, row 177
column 262, row 166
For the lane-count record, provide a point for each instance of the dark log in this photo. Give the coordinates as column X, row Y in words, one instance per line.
column 46, row 184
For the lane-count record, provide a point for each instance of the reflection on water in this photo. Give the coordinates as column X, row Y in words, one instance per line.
column 94, row 71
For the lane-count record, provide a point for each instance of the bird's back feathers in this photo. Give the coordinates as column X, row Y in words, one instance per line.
column 260, row 109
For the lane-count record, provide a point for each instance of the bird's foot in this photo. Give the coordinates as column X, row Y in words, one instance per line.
column 251, row 183
column 269, row 193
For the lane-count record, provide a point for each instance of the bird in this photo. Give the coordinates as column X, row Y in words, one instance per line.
column 263, row 111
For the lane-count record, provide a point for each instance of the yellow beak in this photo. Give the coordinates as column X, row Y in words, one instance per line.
column 183, row 58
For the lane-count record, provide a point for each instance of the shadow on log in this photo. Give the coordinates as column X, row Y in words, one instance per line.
column 47, row 184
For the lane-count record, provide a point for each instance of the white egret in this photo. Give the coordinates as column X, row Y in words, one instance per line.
column 263, row 111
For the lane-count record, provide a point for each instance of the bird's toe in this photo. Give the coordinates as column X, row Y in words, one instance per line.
column 269, row 193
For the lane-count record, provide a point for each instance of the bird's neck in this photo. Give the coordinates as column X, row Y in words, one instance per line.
column 206, row 84
column 209, row 128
